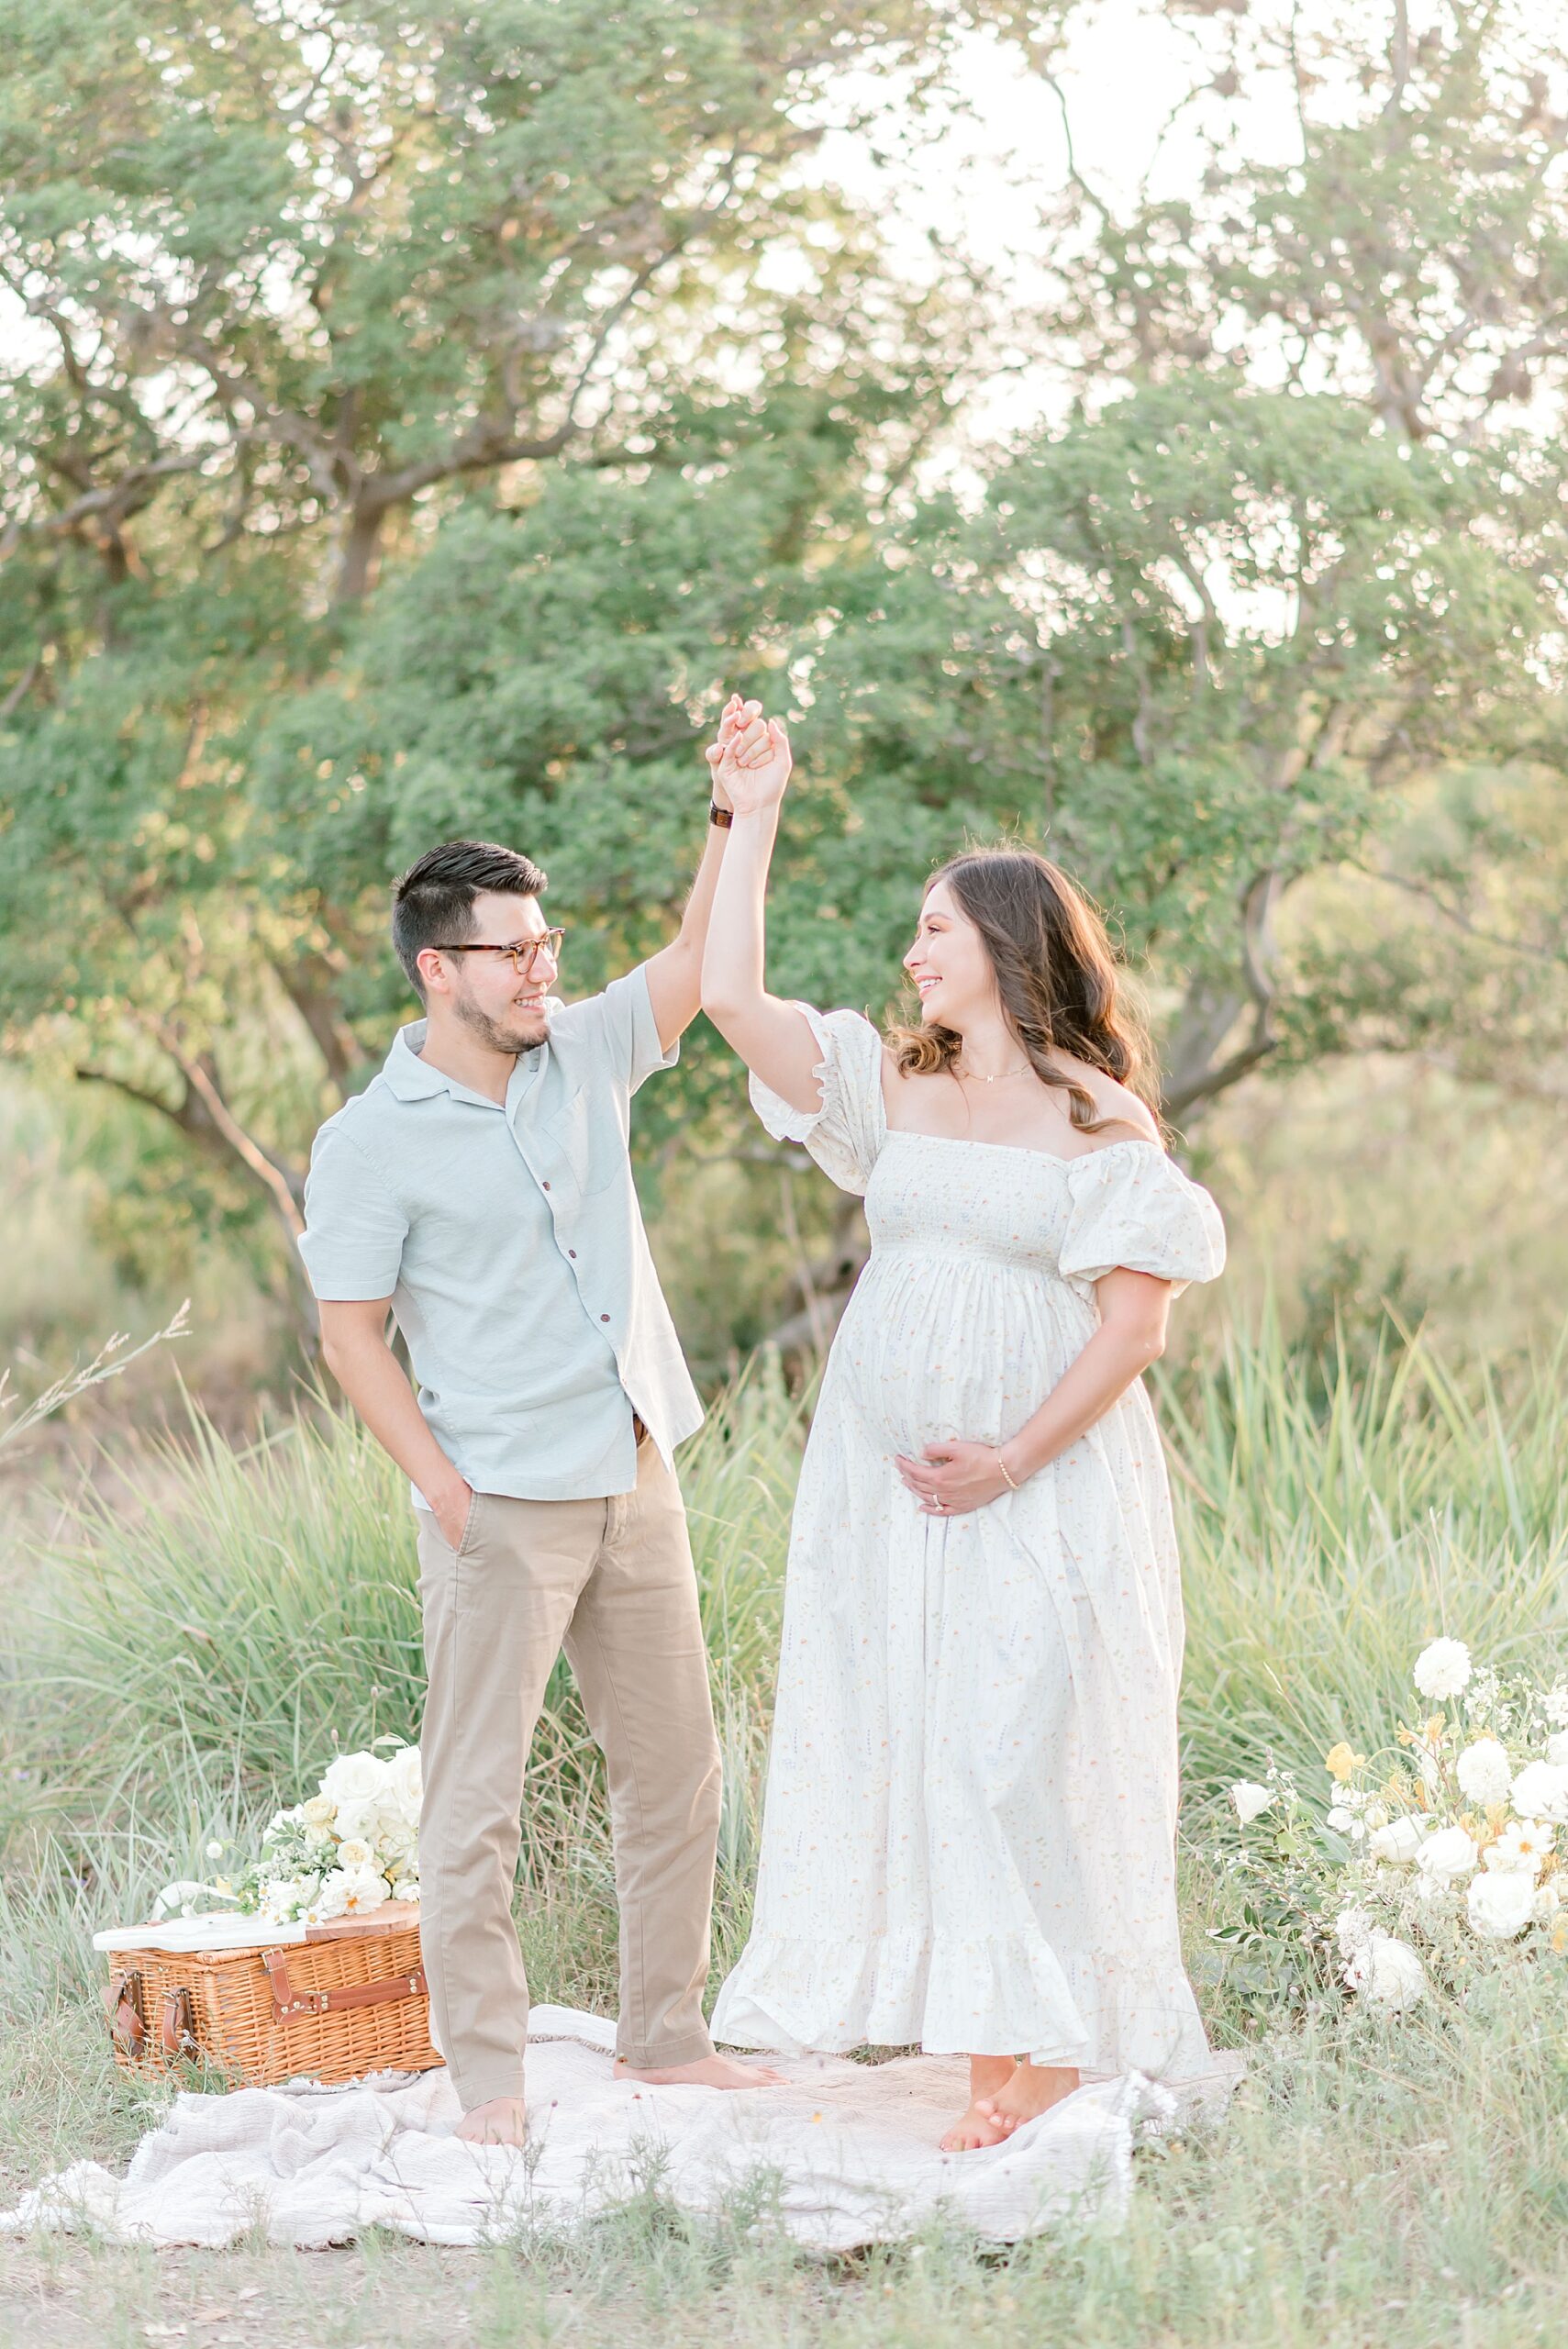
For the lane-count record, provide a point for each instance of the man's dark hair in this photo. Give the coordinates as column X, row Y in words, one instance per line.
column 432, row 905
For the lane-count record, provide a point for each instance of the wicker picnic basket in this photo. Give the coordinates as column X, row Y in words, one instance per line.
column 348, row 1999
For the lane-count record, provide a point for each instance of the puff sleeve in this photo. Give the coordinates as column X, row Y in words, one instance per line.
column 846, row 1134
column 1134, row 1208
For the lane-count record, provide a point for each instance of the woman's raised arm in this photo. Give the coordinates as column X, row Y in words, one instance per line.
column 770, row 1034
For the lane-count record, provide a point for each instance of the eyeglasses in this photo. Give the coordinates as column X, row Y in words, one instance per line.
column 524, row 952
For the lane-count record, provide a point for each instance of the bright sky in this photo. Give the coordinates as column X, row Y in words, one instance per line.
column 979, row 174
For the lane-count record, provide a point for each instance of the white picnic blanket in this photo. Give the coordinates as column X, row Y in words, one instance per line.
column 847, row 2153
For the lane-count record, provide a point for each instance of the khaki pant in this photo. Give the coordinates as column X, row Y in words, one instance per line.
column 613, row 1581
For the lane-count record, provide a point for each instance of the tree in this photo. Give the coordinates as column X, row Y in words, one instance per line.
column 291, row 284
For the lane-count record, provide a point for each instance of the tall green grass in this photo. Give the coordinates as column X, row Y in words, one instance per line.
column 1332, row 1521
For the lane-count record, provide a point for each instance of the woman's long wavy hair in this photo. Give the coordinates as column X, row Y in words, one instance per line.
column 1056, row 976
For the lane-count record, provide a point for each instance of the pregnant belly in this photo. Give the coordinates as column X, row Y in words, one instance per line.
column 941, row 1346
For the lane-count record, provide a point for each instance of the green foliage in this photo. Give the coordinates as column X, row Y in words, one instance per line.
column 411, row 436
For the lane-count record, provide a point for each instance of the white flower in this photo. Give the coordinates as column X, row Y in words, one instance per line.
column 1249, row 1799
column 1523, row 1843
column 406, row 1888
column 1399, row 1841
column 1352, row 1929
column 319, row 1839
column 328, row 1899
column 406, row 1783
column 1343, row 1821
column 280, row 1899
column 1442, row 1668
column 1540, row 1791
column 1547, row 1899
column 1377, row 1814
column 215, row 1851
column 1387, row 1974
column 318, row 1811
column 1500, row 1902
column 353, row 1854
column 1446, row 1856
column 354, row 1777
column 1557, row 1749
column 362, row 1889
column 1483, row 1771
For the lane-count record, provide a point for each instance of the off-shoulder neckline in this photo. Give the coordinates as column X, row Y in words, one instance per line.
column 1027, row 1150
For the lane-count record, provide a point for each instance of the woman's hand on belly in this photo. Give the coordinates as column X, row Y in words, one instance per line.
column 953, row 1477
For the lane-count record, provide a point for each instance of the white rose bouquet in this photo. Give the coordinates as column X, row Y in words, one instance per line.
column 1428, row 1864
column 345, row 1849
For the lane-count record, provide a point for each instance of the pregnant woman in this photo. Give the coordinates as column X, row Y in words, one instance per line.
column 969, row 1827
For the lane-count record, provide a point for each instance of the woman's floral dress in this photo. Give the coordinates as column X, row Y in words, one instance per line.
column 969, row 1834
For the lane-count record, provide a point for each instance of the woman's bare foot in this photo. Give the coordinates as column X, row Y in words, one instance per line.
column 499, row 2122
column 708, row 2072
column 1033, row 2089
column 987, row 2075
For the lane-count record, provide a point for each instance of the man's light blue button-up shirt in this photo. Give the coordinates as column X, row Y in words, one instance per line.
column 510, row 1240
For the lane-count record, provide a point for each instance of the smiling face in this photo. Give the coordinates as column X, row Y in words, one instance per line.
column 503, row 1007
column 949, row 965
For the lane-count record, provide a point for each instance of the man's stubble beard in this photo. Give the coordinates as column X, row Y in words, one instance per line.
column 528, row 1025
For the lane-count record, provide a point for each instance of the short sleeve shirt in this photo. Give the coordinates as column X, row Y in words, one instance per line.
column 509, row 1237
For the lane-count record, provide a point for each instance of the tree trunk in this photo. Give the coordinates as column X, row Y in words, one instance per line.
column 361, row 547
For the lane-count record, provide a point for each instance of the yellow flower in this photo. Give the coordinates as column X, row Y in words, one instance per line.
column 1342, row 1763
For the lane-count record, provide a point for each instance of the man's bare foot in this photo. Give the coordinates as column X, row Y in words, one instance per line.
column 499, row 2122
column 987, row 2075
column 1033, row 2089
column 708, row 2072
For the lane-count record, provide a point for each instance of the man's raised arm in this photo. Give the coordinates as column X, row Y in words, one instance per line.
column 675, row 974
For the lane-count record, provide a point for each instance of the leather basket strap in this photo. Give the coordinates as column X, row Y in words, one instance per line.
column 176, row 2025
column 287, row 2001
column 121, row 2006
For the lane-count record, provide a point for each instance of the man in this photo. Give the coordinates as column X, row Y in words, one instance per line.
column 480, row 1190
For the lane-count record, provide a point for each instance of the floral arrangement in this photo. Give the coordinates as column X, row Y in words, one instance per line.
column 347, row 1848
column 1430, row 1863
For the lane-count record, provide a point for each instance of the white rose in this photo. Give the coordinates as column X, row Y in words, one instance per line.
column 1386, row 1972
column 1446, row 1856
column 354, row 1777
column 1442, row 1668
column 406, row 1783
column 1523, row 1843
column 406, row 1888
column 1546, row 1901
column 362, row 1889
column 1500, row 1903
column 1484, row 1772
column 1557, row 1749
column 357, row 1822
column 318, row 1811
column 1398, row 1841
column 1540, row 1791
column 1249, row 1799
column 354, row 1854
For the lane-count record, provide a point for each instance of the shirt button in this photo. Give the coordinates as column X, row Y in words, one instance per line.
column 604, row 1316
column 573, row 1253
column 544, row 1186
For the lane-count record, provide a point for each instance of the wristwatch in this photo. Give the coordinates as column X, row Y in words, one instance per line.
column 722, row 817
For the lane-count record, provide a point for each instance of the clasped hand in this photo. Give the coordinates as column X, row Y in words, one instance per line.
column 749, row 760
column 950, row 1478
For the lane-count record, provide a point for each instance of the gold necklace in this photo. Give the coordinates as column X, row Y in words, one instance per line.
column 974, row 1076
